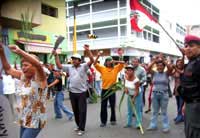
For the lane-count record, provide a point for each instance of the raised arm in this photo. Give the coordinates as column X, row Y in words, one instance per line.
column 86, row 47
column 6, row 66
column 57, row 60
column 118, row 62
column 98, row 55
column 33, row 60
column 149, row 68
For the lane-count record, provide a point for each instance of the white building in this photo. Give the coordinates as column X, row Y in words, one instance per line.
column 110, row 21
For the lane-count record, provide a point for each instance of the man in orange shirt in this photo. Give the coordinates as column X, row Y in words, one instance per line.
column 109, row 74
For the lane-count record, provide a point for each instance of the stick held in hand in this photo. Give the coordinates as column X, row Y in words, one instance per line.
column 58, row 42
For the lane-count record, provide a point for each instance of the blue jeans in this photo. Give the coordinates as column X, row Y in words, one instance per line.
column 160, row 101
column 29, row 132
column 98, row 87
column 58, row 105
column 138, row 103
column 179, row 102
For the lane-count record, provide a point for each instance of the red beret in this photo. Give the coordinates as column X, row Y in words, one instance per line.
column 192, row 39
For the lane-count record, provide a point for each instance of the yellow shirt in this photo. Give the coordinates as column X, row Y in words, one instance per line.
column 108, row 75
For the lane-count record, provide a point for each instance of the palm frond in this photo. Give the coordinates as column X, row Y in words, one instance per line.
column 135, row 112
column 93, row 95
column 121, row 101
column 113, row 89
column 26, row 24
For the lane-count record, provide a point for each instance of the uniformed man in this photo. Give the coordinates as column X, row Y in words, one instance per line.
column 190, row 87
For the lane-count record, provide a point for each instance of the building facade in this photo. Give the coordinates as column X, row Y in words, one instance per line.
column 110, row 21
column 48, row 20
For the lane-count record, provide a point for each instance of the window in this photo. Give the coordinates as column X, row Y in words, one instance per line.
column 151, row 34
column 49, row 10
column 154, row 11
column 180, row 30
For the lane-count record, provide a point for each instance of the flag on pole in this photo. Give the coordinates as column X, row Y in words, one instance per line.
column 140, row 16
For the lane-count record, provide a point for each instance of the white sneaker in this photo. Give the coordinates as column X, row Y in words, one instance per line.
column 80, row 132
column 76, row 129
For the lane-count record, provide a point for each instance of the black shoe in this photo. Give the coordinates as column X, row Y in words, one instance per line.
column 102, row 125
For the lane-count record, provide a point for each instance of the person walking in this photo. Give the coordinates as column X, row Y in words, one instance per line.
column 109, row 74
column 59, row 97
column 189, row 88
column 77, row 77
column 32, row 89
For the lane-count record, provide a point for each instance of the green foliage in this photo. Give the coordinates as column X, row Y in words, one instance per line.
column 113, row 89
column 121, row 101
column 26, row 24
column 93, row 96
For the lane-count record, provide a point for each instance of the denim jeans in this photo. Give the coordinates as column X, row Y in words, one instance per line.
column 29, row 132
column 179, row 102
column 58, row 106
column 98, row 87
column 138, row 103
column 160, row 101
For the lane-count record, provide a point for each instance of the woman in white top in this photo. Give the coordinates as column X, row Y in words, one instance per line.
column 132, row 89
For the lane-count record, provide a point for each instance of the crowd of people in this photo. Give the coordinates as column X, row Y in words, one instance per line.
column 38, row 83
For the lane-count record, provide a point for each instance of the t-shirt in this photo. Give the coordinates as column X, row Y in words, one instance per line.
column 160, row 81
column 109, row 75
column 131, row 85
column 58, row 86
column 77, row 77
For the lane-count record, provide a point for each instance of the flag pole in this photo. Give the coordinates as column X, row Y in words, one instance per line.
column 170, row 37
column 74, row 33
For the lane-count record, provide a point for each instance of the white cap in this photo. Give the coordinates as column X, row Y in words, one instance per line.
column 76, row 56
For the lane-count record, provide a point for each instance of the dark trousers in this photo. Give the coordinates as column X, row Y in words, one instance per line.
column 79, row 107
column 104, row 114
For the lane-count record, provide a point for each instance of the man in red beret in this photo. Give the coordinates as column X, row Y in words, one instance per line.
column 189, row 88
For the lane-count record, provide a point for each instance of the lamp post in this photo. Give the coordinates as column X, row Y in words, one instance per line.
column 75, row 4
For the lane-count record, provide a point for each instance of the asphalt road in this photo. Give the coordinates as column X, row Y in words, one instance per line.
column 64, row 129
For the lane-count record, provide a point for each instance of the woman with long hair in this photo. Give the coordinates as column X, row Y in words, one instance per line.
column 178, row 70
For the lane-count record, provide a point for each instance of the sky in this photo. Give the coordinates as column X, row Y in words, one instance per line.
column 185, row 12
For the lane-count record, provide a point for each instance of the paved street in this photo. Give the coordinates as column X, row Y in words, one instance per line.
column 64, row 128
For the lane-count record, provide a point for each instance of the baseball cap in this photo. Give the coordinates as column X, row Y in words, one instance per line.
column 130, row 67
column 78, row 56
column 109, row 58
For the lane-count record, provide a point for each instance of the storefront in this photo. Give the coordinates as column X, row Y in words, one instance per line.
column 38, row 44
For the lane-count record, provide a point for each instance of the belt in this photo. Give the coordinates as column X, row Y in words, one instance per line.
column 160, row 91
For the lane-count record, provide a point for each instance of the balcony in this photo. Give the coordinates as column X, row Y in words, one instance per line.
column 100, row 16
column 10, row 12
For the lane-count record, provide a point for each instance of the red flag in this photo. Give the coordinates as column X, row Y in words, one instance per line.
column 140, row 17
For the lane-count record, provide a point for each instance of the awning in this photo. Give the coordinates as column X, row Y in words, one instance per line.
column 38, row 47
